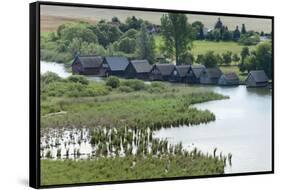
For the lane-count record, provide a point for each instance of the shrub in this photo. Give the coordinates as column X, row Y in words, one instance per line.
column 125, row 89
column 113, row 82
column 157, row 85
column 74, row 89
column 78, row 79
column 249, row 40
column 52, row 55
column 49, row 77
column 135, row 84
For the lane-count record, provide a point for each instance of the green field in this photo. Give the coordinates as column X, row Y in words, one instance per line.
column 202, row 46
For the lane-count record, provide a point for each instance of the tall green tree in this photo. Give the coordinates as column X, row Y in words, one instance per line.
column 199, row 28
column 219, row 24
column 177, row 34
column 250, row 63
column 244, row 53
column 264, row 58
column 236, row 34
column 145, row 45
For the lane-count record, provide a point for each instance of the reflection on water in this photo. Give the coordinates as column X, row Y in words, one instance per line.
column 242, row 127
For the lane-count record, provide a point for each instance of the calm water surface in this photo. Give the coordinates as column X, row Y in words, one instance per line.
column 242, row 127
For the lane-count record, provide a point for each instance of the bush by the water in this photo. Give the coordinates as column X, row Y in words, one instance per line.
column 50, row 77
column 113, row 82
column 73, row 86
column 135, row 84
column 125, row 89
column 78, row 79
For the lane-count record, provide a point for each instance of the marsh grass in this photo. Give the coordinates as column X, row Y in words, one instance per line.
column 128, row 168
column 121, row 126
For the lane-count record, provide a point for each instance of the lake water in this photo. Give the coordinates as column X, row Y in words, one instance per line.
column 55, row 68
column 242, row 126
column 60, row 70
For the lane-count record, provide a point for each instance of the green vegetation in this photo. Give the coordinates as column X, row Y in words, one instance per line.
column 155, row 105
column 103, row 38
column 129, row 108
column 172, row 41
column 177, row 35
column 201, row 47
column 258, row 59
column 74, row 86
column 146, row 45
column 113, row 82
column 129, row 168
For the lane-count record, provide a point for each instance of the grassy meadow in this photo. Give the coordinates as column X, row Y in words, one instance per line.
column 203, row 46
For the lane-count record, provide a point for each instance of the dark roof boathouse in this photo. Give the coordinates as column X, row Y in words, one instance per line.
column 138, row 69
column 179, row 73
column 161, row 72
column 87, row 65
column 229, row 79
column 257, row 78
column 210, row 76
column 115, row 66
column 194, row 72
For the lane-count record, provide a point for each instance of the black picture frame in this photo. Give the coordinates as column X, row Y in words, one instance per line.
column 34, row 91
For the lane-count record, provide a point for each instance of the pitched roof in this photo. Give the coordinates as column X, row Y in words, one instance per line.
column 182, row 70
column 89, row 61
column 117, row 63
column 231, row 76
column 213, row 72
column 259, row 76
column 165, row 69
column 141, row 66
column 197, row 70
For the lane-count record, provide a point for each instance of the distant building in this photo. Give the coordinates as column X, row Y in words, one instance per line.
column 210, row 76
column 161, row 72
column 115, row 66
column 256, row 78
column 87, row 65
column 138, row 69
column 229, row 79
column 194, row 72
column 179, row 74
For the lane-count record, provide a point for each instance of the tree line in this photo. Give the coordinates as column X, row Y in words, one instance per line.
column 134, row 38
